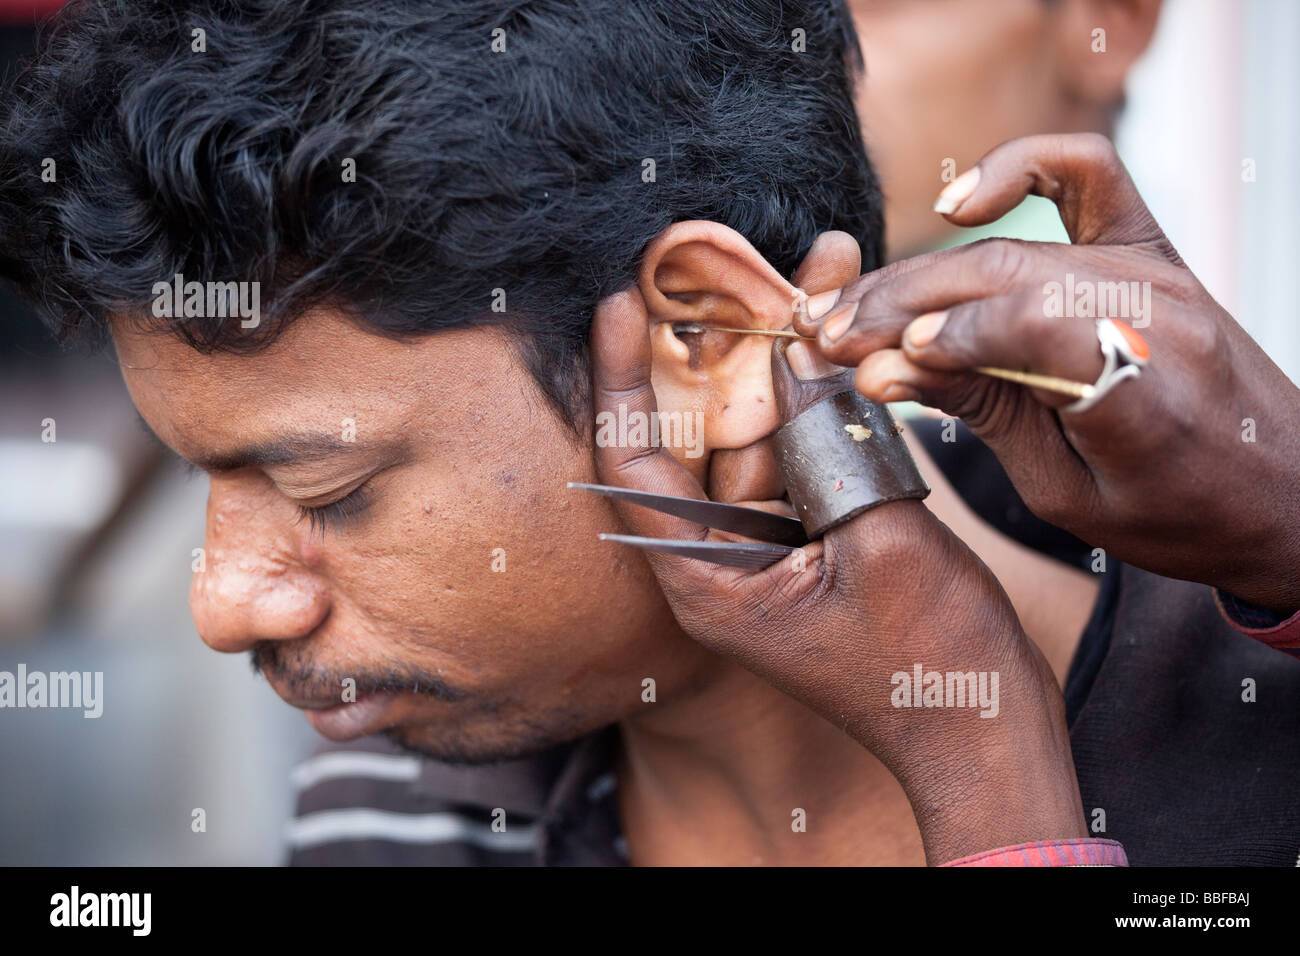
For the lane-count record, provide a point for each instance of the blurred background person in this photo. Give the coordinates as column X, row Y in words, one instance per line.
column 947, row 80
column 1200, row 97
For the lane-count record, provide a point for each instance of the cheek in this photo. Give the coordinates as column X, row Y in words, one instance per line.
column 493, row 575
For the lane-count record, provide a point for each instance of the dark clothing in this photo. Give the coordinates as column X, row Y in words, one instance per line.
column 559, row 810
column 981, row 481
column 1186, row 770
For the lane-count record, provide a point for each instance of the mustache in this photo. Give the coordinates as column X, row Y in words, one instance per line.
column 305, row 680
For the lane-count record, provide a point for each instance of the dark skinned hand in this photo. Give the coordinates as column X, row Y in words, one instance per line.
column 830, row 625
column 1191, row 470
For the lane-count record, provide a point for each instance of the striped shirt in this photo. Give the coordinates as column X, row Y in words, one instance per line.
column 368, row 803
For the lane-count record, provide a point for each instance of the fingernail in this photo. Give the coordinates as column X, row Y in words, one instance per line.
column 821, row 304
column 898, row 392
column 800, row 304
column 838, row 323
column 957, row 191
column 924, row 328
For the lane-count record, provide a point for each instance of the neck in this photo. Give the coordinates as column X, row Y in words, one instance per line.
column 718, row 779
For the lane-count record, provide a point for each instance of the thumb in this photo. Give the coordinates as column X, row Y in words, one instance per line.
column 622, row 388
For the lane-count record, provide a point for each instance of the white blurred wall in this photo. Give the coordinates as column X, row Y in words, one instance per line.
column 1219, row 86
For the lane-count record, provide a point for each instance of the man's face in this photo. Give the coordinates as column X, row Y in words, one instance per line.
column 462, row 588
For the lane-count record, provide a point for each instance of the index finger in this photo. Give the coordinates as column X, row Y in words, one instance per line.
column 1080, row 172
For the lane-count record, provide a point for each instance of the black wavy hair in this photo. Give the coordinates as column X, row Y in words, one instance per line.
column 476, row 170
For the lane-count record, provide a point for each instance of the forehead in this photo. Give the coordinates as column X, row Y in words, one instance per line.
column 322, row 372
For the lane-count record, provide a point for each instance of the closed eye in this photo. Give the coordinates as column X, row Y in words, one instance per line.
column 337, row 514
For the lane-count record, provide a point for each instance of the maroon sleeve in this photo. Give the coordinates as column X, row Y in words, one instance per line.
column 1267, row 628
column 1076, row 852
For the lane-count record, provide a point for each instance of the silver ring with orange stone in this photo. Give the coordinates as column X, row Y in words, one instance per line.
column 1124, row 353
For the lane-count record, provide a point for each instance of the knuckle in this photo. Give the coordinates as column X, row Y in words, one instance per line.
column 870, row 280
column 1094, row 149
column 622, row 384
column 875, row 303
column 1203, row 340
column 705, row 602
column 969, row 400
column 1035, row 327
column 626, row 464
column 791, row 587
column 1002, row 260
column 883, row 541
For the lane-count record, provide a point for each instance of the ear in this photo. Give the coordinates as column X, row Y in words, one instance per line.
column 1091, row 75
column 708, row 273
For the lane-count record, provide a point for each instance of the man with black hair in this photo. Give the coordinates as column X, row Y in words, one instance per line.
column 433, row 203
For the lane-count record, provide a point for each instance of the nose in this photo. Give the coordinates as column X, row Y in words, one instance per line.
column 253, row 586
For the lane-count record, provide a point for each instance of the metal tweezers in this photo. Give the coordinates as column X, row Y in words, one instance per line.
column 785, row 534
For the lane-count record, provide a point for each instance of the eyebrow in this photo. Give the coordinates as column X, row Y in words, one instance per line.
column 290, row 449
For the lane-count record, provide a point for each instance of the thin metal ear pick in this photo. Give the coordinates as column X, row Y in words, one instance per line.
column 1050, row 383
column 778, row 534
column 692, row 328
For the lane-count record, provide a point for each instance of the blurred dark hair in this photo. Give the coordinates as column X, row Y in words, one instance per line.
column 475, row 170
